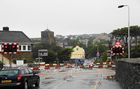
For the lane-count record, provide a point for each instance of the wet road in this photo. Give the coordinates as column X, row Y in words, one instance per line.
column 77, row 79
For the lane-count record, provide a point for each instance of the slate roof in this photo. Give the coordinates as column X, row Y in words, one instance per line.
column 14, row 36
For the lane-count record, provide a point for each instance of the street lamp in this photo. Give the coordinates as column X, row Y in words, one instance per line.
column 121, row 6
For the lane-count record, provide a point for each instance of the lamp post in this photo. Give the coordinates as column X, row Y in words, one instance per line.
column 121, row 6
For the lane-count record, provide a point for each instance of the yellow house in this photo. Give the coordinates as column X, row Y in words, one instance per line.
column 78, row 53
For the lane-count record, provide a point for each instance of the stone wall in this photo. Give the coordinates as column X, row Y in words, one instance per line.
column 128, row 73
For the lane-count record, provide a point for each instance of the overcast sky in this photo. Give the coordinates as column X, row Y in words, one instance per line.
column 66, row 17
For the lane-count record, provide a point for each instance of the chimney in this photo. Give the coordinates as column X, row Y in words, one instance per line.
column 5, row 28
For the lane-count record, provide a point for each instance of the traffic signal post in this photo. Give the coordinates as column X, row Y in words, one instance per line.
column 10, row 49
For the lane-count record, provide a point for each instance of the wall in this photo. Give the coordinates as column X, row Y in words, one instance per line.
column 4, row 59
column 128, row 73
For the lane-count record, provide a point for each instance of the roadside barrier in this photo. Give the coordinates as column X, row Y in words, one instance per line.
column 108, row 64
column 58, row 66
column 36, row 68
column 54, row 66
column 104, row 66
column 42, row 66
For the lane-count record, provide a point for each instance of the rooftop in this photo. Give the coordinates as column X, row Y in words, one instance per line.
column 13, row 36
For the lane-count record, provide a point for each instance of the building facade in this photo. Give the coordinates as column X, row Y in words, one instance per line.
column 24, row 51
column 78, row 53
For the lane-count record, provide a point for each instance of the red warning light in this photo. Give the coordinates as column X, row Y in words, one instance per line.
column 13, row 46
column 6, row 46
column 9, row 48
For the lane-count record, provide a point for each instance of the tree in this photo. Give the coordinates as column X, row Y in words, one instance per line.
column 92, row 49
column 64, row 55
column 104, row 57
column 51, row 58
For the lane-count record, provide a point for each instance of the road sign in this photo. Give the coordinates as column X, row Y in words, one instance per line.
column 42, row 52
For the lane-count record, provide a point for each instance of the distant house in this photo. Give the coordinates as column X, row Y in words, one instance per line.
column 78, row 53
column 24, row 43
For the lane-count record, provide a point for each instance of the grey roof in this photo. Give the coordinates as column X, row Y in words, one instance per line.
column 14, row 36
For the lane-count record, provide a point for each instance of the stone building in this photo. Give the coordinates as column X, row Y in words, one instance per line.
column 47, row 37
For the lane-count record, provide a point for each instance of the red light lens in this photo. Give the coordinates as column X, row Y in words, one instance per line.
column 6, row 46
column 13, row 46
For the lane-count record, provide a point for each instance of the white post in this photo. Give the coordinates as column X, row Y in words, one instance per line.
column 128, row 32
column 128, row 28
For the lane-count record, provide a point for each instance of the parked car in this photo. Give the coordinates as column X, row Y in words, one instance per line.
column 21, row 77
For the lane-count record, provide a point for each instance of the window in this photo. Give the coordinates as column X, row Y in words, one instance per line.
column 24, row 47
column 20, row 47
column 9, row 72
column 23, row 72
column 29, row 47
column 26, row 71
column 30, row 71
